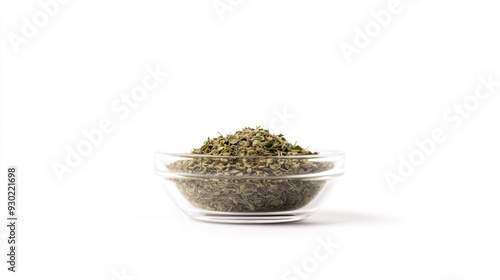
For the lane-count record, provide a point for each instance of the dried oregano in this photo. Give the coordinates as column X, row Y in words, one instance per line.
column 262, row 160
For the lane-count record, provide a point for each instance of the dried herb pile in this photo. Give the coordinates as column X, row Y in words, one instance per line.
column 251, row 142
column 249, row 153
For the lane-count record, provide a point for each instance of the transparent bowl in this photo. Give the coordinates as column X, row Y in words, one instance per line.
column 249, row 189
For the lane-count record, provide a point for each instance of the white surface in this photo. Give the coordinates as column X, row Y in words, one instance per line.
column 110, row 215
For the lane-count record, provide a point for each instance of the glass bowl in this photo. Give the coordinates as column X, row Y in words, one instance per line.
column 249, row 189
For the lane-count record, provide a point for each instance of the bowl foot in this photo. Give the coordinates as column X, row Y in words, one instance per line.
column 267, row 218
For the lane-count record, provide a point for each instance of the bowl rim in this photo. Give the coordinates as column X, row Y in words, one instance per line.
column 321, row 154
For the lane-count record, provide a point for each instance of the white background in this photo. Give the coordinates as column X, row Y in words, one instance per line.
column 110, row 219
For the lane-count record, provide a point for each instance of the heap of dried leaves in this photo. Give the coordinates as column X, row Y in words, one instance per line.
column 249, row 153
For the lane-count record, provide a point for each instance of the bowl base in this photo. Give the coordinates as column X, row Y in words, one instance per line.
column 267, row 218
